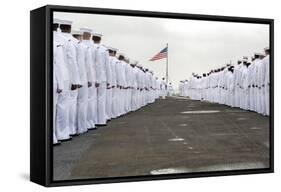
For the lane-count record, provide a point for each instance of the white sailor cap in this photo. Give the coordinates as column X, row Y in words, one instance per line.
column 76, row 32
column 65, row 22
column 56, row 20
column 96, row 34
column 134, row 62
column 266, row 48
column 86, row 30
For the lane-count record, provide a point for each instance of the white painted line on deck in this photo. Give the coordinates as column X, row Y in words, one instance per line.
column 254, row 128
column 241, row 119
column 169, row 171
column 176, row 139
column 200, row 112
column 183, row 125
column 219, row 167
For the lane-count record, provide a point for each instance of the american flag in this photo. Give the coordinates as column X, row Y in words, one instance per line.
column 162, row 54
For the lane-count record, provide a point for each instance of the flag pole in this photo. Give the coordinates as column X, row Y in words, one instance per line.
column 167, row 65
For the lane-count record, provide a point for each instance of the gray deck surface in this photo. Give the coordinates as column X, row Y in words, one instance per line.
column 174, row 135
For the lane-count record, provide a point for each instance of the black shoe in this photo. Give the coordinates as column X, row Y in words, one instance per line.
column 56, row 144
column 63, row 140
column 101, row 125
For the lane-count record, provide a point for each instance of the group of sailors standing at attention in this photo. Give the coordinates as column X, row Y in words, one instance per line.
column 92, row 84
column 245, row 85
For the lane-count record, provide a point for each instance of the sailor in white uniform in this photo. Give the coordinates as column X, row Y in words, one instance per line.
column 109, row 84
column 261, row 69
column 252, row 83
column 113, row 99
column 266, row 62
column 82, row 99
column 163, row 88
column 63, row 102
column 71, row 60
column 91, row 78
column 58, row 75
column 134, row 101
column 101, row 61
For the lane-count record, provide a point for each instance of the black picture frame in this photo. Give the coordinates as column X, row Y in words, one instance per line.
column 41, row 169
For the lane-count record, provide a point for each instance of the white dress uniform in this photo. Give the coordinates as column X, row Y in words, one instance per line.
column 258, row 92
column 71, row 59
column 230, row 89
column 127, row 96
column 119, row 83
column 122, row 96
column 139, row 86
column 101, row 61
column 163, row 89
column 245, row 91
column 91, row 78
column 251, row 86
column 267, row 84
column 134, row 102
column 261, row 87
column 57, row 82
column 245, row 86
column 62, row 113
column 181, row 88
column 109, row 83
column 114, row 98
column 237, row 76
column 82, row 100
column 170, row 90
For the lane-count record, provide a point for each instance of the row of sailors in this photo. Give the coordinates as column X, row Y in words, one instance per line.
column 92, row 86
column 245, row 85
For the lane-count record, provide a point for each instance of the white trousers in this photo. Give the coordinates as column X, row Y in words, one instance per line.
column 267, row 99
column 262, row 101
column 82, row 109
column 101, row 92
column 129, row 100
column 92, row 107
column 114, row 106
column 134, row 102
column 55, row 98
column 255, row 99
column 62, row 115
column 252, row 99
column 259, row 100
column 109, row 102
column 73, row 112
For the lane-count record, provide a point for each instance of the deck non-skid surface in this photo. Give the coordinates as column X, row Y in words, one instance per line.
column 173, row 135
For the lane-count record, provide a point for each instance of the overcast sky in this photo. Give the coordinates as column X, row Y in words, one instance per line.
column 194, row 46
